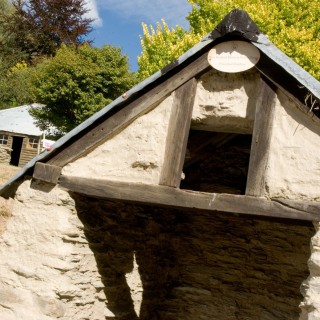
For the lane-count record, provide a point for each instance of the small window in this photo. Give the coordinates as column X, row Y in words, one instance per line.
column 217, row 162
column 3, row 139
column 33, row 143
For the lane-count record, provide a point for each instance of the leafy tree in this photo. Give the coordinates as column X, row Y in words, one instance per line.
column 162, row 46
column 78, row 82
column 14, row 86
column 9, row 53
column 40, row 27
column 292, row 25
column 12, row 90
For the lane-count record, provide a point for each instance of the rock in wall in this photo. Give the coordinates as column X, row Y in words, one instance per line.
column 311, row 286
column 5, row 154
column 47, row 269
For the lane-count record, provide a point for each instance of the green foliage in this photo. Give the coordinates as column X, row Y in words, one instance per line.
column 15, row 86
column 162, row 46
column 292, row 25
column 78, row 82
column 10, row 53
column 39, row 27
column 30, row 30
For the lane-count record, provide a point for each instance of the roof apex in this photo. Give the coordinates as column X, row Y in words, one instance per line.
column 237, row 22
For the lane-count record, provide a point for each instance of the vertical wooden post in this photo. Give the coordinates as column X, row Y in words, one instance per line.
column 178, row 132
column 261, row 136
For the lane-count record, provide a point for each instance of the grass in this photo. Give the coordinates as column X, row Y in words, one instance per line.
column 5, row 207
column 7, row 172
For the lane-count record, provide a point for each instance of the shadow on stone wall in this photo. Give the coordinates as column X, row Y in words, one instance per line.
column 196, row 265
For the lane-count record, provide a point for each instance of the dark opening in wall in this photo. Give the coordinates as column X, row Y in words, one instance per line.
column 217, row 162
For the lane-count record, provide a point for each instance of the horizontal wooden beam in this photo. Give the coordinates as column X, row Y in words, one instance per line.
column 118, row 121
column 46, row 172
column 177, row 198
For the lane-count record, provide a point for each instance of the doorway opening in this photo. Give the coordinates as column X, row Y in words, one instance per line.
column 16, row 150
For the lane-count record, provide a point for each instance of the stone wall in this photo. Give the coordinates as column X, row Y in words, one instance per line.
column 47, row 269
column 293, row 164
column 5, row 154
column 196, row 265
column 82, row 258
column 311, row 286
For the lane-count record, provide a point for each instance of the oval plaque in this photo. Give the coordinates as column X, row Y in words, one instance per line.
column 233, row 56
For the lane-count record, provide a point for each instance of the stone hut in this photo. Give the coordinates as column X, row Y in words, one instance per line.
column 193, row 196
column 20, row 138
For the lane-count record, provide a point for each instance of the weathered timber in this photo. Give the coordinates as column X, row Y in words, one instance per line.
column 128, row 114
column 178, row 132
column 46, row 172
column 305, row 205
column 177, row 198
column 260, row 146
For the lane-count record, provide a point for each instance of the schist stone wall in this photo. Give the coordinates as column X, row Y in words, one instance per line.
column 5, row 154
column 79, row 258
column 64, row 256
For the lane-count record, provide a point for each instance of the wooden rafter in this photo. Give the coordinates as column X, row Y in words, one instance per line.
column 46, row 172
column 128, row 114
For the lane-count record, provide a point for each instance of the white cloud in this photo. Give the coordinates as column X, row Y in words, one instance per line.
column 93, row 13
column 149, row 11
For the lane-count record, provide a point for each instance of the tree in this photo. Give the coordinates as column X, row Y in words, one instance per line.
column 78, row 82
column 162, row 46
column 40, row 27
column 293, row 26
column 9, row 52
column 14, row 86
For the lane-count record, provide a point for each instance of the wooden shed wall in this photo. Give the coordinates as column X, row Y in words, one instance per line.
column 26, row 153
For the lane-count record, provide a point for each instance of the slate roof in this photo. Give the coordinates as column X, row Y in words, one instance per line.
column 19, row 120
column 273, row 64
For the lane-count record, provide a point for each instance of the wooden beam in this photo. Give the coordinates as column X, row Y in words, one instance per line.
column 178, row 132
column 128, row 114
column 177, row 198
column 46, row 172
column 261, row 136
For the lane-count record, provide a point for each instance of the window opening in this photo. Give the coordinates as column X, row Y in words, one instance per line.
column 33, row 143
column 216, row 162
column 3, row 139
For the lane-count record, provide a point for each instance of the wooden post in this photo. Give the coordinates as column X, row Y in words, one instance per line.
column 261, row 140
column 178, row 132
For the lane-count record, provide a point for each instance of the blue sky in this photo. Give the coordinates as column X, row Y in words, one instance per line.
column 118, row 22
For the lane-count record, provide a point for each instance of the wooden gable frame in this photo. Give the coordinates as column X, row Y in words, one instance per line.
column 168, row 193
column 183, row 83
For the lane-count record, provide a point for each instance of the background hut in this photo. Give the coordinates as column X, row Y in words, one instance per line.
column 20, row 138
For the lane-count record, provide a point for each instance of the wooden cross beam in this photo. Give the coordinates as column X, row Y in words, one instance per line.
column 186, row 199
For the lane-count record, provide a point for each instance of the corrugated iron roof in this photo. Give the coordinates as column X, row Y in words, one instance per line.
column 19, row 120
